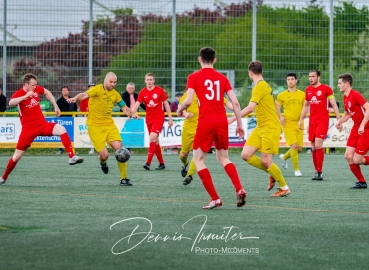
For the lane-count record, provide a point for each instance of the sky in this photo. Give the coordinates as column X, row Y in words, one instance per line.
column 46, row 19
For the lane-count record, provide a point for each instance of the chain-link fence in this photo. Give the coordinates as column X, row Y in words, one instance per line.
column 53, row 39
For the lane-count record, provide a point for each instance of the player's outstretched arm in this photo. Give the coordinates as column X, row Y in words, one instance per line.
column 78, row 97
column 50, row 97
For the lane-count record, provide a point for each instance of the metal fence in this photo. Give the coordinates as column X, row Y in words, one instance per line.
column 56, row 41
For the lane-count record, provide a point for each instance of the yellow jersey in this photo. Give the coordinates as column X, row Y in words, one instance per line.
column 265, row 110
column 100, row 105
column 292, row 103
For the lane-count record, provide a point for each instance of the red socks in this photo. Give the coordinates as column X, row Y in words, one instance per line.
column 207, row 181
column 11, row 165
column 357, row 172
column 151, row 152
column 319, row 160
column 67, row 144
column 159, row 154
column 233, row 175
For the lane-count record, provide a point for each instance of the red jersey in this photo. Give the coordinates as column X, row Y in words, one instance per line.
column 154, row 103
column 354, row 103
column 318, row 99
column 83, row 105
column 29, row 109
column 210, row 86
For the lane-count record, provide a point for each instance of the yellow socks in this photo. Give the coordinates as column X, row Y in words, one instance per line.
column 294, row 159
column 192, row 168
column 256, row 162
column 276, row 173
column 122, row 170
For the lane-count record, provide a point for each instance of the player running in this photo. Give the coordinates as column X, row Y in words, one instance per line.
column 191, row 114
column 210, row 86
column 292, row 100
column 34, row 123
column 265, row 137
column 357, row 108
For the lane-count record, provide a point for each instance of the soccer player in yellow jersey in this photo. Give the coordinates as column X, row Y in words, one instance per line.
column 292, row 100
column 101, row 127
column 265, row 137
column 191, row 114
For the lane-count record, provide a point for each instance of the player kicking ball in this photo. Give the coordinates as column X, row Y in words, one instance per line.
column 34, row 123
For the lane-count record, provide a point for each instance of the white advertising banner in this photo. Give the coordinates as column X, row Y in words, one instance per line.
column 134, row 133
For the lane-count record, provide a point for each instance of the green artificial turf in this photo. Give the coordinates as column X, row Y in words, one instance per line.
column 57, row 216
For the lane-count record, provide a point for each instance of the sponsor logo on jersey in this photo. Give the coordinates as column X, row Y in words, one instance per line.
column 152, row 104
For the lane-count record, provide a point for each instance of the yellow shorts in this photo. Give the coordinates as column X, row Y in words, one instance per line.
column 188, row 135
column 294, row 135
column 102, row 135
column 265, row 139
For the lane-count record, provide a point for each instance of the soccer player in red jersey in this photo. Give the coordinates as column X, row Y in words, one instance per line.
column 356, row 108
column 34, row 123
column 154, row 98
column 317, row 95
column 210, row 86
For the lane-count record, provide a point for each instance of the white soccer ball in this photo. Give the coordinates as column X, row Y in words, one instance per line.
column 122, row 155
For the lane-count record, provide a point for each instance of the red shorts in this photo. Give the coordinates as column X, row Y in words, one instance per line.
column 28, row 135
column 360, row 142
column 319, row 130
column 207, row 133
column 155, row 127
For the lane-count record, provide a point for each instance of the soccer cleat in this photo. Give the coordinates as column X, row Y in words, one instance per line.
column 125, row 182
column 187, row 180
column 74, row 160
column 298, row 173
column 104, row 167
column 359, row 185
column 318, row 176
column 281, row 193
column 160, row 167
column 2, row 181
column 271, row 183
column 284, row 162
column 184, row 170
column 146, row 167
column 213, row 203
column 241, row 198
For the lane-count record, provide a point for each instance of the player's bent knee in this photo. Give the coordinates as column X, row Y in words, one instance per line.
column 59, row 130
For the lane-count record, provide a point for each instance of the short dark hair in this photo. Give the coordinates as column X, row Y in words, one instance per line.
column 207, row 55
column 317, row 71
column 61, row 89
column 292, row 75
column 256, row 67
column 28, row 77
column 346, row 77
